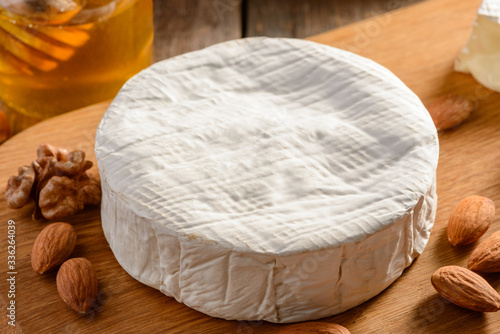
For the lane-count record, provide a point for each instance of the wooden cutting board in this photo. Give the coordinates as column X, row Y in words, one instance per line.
column 419, row 45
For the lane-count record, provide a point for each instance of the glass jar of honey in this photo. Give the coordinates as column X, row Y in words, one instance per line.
column 61, row 55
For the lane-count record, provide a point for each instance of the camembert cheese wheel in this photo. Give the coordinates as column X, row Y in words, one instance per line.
column 267, row 179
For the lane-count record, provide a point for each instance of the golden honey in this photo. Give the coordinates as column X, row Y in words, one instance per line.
column 53, row 62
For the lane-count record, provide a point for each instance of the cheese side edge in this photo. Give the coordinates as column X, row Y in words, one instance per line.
column 239, row 286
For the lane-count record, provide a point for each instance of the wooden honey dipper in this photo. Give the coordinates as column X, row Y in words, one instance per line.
column 37, row 42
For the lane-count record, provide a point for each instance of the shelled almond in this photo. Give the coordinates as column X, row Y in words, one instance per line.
column 77, row 284
column 466, row 289
column 449, row 111
column 486, row 257
column 53, row 246
column 470, row 219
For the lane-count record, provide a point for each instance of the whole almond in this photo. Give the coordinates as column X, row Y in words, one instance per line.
column 449, row 111
column 77, row 284
column 314, row 328
column 470, row 219
column 466, row 289
column 52, row 247
column 486, row 257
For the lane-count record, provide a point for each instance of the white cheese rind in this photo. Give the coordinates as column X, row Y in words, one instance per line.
column 490, row 9
column 267, row 179
column 481, row 54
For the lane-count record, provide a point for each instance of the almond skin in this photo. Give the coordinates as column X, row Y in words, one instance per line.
column 466, row 289
column 314, row 328
column 77, row 284
column 486, row 257
column 470, row 219
column 449, row 111
column 52, row 247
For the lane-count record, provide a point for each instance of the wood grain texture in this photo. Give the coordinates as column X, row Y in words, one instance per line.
column 186, row 25
column 183, row 26
column 419, row 44
column 300, row 19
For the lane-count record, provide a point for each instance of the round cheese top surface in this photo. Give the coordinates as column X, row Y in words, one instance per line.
column 268, row 146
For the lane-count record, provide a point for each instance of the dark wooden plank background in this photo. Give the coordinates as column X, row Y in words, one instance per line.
column 186, row 25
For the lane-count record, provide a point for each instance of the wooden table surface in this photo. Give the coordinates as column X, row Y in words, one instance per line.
column 186, row 25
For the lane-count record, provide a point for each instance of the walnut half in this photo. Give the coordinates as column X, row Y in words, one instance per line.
column 57, row 180
column 19, row 187
column 63, row 196
column 47, row 150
